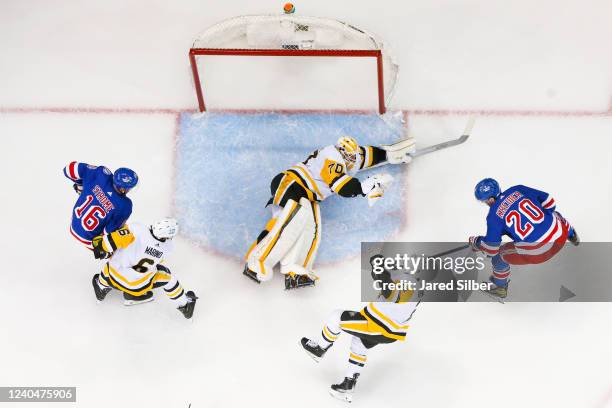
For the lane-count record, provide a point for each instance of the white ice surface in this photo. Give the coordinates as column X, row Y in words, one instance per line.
column 242, row 348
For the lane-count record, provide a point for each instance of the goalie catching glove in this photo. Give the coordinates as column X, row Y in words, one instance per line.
column 374, row 187
column 400, row 152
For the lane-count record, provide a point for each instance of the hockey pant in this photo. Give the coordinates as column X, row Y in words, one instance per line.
column 83, row 241
column 137, row 284
column 530, row 253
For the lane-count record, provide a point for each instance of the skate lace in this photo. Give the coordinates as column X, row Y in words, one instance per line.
column 311, row 343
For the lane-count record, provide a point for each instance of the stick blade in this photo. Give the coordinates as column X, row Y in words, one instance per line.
column 462, row 139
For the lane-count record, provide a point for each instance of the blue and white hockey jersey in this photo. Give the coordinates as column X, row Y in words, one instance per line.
column 522, row 213
column 99, row 208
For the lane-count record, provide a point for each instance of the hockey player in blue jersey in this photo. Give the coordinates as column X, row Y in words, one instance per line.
column 528, row 217
column 102, row 206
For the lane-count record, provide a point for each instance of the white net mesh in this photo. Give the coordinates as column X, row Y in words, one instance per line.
column 291, row 32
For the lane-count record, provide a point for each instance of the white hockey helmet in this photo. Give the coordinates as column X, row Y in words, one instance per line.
column 166, row 228
column 348, row 148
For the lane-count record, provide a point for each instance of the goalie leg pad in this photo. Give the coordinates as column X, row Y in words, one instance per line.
column 302, row 255
column 280, row 239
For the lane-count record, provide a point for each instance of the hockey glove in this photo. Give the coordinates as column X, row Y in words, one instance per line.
column 78, row 187
column 374, row 187
column 475, row 243
column 400, row 152
column 98, row 249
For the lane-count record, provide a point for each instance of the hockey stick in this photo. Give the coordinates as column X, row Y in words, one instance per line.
column 434, row 148
column 450, row 251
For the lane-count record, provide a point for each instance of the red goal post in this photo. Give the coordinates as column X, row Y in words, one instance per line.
column 293, row 36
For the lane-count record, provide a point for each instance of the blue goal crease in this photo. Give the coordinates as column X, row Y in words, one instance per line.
column 225, row 162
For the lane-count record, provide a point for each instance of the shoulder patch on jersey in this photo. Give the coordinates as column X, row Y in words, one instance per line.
column 106, row 171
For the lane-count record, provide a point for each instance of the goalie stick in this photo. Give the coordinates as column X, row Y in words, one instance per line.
column 434, row 148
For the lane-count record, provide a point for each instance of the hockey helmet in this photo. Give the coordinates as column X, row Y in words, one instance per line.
column 487, row 188
column 166, row 228
column 348, row 148
column 124, row 179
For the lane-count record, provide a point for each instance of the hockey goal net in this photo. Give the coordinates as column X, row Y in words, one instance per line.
column 302, row 48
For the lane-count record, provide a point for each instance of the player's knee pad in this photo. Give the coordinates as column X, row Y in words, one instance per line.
column 279, row 240
column 499, row 265
column 358, row 346
column 300, row 258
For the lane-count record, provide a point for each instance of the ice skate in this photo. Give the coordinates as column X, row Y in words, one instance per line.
column 295, row 281
column 497, row 292
column 100, row 292
column 573, row 237
column 188, row 308
column 313, row 349
column 250, row 274
column 131, row 300
column 344, row 391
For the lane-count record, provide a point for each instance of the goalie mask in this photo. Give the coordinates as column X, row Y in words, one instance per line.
column 348, row 148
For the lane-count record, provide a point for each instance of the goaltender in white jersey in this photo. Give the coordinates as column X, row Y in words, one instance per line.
column 292, row 236
column 136, row 265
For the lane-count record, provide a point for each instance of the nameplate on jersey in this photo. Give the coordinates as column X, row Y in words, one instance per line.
column 156, row 253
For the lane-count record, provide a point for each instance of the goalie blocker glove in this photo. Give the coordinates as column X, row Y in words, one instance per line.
column 400, row 152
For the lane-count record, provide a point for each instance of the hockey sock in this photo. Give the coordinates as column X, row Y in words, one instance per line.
column 501, row 271
column 357, row 357
column 102, row 282
column 327, row 337
column 331, row 330
column 176, row 293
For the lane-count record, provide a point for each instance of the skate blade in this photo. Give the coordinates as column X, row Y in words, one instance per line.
column 252, row 278
column 137, row 302
column 342, row 396
column 497, row 298
column 300, row 287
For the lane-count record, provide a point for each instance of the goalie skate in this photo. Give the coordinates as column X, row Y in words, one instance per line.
column 250, row 274
column 295, row 281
